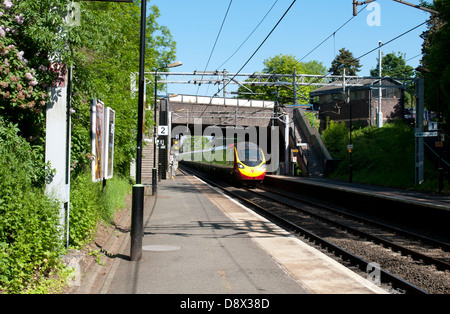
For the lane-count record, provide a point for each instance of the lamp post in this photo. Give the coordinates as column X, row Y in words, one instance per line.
column 137, row 210
column 154, row 170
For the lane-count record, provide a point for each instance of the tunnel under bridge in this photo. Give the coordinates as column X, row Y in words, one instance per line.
column 276, row 130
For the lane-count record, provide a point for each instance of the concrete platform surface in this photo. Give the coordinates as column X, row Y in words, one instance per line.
column 198, row 241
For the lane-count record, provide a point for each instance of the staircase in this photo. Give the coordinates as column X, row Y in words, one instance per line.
column 314, row 158
column 147, row 161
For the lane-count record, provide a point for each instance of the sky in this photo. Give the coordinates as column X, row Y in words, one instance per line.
column 195, row 26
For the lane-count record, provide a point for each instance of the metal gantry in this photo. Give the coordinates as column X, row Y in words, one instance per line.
column 224, row 78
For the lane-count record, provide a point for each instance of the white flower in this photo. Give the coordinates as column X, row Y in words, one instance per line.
column 33, row 83
column 8, row 4
column 20, row 55
column 19, row 19
column 28, row 76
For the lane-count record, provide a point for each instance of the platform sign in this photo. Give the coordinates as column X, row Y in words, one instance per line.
column 426, row 134
column 110, row 119
column 97, row 139
column 102, row 141
column 433, row 126
column 350, row 148
column 163, row 130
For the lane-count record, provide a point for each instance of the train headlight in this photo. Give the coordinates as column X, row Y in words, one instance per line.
column 240, row 166
column 262, row 167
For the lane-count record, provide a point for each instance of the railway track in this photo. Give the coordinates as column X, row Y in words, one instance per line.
column 414, row 263
column 334, row 216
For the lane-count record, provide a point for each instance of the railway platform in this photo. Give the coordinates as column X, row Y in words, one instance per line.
column 199, row 241
column 429, row 211
column 430, row 200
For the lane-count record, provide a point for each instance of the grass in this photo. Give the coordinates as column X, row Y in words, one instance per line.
column 114, row 197
column 380, row 156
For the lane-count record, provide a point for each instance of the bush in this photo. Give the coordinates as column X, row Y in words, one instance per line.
column 30, row 241
column 335, row 137
column 383, row 156
column 91, row 203
column 85, row 209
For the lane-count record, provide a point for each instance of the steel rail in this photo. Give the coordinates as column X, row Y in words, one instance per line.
column 443, row 245
column 404, row 250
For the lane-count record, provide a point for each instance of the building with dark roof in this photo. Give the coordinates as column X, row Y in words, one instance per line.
column 330, row 102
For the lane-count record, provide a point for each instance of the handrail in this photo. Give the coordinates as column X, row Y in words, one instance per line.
column 314, row 137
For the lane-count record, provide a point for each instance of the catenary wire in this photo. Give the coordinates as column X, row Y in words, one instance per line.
column 332, row 34
column 378, row 47
column 388, row 42
column 217, row 38
column 257, row 49
column 257, row 26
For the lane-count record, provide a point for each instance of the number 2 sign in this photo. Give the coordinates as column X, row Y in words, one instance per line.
column 163, row 130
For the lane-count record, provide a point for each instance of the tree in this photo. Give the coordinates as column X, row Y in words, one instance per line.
column 436, row 58
column 393, row 65
column 345, row 60
column 284, row 64
column 28, row 40
column 105, row 49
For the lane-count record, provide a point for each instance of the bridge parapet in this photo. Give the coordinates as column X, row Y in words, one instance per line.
column 189, row 110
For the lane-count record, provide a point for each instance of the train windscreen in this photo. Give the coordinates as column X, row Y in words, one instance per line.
column 250, row 157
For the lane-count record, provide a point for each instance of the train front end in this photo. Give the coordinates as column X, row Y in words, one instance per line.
column 249, row 163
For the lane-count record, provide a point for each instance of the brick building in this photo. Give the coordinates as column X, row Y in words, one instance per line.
column 329, row 101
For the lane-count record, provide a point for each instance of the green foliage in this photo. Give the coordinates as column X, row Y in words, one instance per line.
column 114, row 197
column 436, row 58
column 345, row 60
column 27, row 41
column 285, row 64
column 335, row 137
column 85, row 209
column 393, row 65
column 30, row 243
column 383, row 156
column 106, row 51
column 90, row 203
column 21, row 164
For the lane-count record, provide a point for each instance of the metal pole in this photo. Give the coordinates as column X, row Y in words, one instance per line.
column 419, row 153
column 350, row 147
column 138, row 189
column 418, row 7
column 347, row 97
column 154, row 170
column 380, row 91
column 440, row 135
